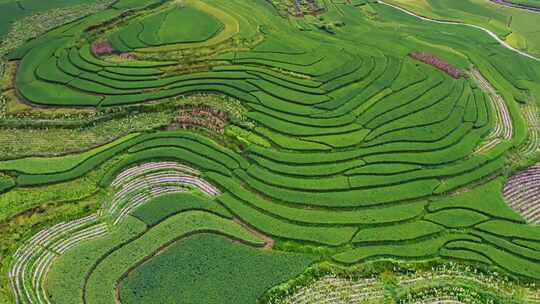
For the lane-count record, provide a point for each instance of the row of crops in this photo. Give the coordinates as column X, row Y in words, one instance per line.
column 385, row 129
column 502, row 129
column 460, row 228
column 48, row 275
column 532, row 117
column 441, row 284
column 363, row 156
column 521, row 191
column 164, row 184
column 136, row 198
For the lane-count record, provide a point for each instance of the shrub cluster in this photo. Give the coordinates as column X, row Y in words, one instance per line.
column 102, row 48
column 200, row 116
column 438, row 63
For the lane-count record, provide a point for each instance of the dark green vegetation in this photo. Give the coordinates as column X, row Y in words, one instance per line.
column 5, row 183
column 106, row 260
column 408, row 232
column 170, row 204
column 203, row 268
column 350, row 149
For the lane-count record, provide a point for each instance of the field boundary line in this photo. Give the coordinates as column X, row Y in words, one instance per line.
column 490, row 33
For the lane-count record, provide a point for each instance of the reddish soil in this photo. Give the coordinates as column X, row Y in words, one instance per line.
column 268, row 242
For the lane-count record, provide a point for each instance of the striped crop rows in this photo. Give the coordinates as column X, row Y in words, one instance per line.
column 33, row 260
column 532, row 118
column 133, row 187
column 330, row 290
column 376, row 223
column 139, row 184
column 438, row 285
column 523, row 193
column 384, row 123
column 503, row 121
column 354, row 154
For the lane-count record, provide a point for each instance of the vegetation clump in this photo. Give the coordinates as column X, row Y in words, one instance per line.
column 438, row 63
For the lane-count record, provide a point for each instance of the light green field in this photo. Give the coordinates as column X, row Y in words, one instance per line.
column 518, row 27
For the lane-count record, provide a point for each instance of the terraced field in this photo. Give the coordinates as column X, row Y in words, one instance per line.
column 521, row 192
column 449, row 283
column 229, row 151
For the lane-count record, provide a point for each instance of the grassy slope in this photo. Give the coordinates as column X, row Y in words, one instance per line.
column 501, row 20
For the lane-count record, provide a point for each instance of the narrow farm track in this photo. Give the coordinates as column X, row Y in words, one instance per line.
column 490, row 33
column 522, row 191
column 268, row 241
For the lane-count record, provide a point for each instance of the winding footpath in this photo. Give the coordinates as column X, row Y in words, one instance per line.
column 499, row 40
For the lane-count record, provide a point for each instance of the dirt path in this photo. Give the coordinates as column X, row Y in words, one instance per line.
column 268, row 242
column 493, row 35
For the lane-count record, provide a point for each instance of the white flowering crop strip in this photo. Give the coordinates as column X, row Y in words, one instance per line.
column 146, row 168
column 133, row 187
column 522, row 191
column 333, row 289
column 139, row 184
column 503, row 129
column 32, row 261
column 531, row 115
